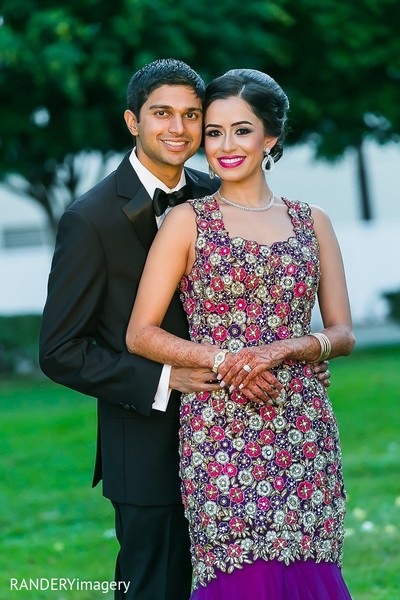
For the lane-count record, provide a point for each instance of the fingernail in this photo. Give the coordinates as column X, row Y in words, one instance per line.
column 241, row 386
column 219, row 377
column 222, row 384
column 231, row 388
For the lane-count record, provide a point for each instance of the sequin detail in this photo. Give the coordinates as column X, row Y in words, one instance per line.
column 258, row 481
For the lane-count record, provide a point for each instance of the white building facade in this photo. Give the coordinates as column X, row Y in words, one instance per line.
column 370, row 250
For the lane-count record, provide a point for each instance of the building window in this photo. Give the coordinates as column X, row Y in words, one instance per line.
column 23, row 237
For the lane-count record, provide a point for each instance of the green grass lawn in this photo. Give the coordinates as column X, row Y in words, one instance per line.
column 54, row 525
column 366, row 395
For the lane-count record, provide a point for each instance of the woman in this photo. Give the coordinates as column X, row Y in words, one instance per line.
column 261, row 479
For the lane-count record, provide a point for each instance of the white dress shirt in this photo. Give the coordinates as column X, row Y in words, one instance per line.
column 150, row 183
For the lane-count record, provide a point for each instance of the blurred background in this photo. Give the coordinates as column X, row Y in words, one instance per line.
column 64, row 68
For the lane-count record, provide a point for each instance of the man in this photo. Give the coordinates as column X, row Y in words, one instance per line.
column 101, row 248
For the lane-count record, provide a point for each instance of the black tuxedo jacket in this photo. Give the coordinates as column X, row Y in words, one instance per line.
column 102, row 243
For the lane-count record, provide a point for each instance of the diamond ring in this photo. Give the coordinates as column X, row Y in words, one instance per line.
column 246, row 368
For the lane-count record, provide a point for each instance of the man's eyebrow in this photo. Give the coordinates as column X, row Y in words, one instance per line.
column 167, row 107
column 232, row 124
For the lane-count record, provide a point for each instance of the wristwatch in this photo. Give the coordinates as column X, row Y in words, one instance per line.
column 219, row 359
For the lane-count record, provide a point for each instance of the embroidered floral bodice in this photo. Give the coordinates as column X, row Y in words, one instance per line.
column 258, row 480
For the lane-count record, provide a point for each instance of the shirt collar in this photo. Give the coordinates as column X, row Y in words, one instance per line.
column 150, row 181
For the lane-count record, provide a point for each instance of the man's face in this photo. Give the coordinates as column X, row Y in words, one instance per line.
column 168, row 130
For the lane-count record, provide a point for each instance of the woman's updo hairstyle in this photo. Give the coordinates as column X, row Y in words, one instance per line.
column 261, row 92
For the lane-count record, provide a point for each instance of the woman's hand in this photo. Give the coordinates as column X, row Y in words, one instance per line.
column 263, row 389
column 249, row 371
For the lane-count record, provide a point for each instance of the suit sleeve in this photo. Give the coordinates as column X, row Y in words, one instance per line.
column 70, row 352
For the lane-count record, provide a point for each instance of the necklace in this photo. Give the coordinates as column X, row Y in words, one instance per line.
column 247, row 208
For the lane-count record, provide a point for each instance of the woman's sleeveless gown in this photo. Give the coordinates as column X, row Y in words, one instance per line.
column 262, row 485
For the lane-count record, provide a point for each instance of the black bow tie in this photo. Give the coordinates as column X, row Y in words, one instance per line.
column 162, row 200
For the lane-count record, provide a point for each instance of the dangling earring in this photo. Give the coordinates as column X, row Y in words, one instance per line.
column 268, row 163
column 211, row 172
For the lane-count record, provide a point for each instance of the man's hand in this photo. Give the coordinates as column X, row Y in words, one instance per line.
column 323, row 373
column 187, row 380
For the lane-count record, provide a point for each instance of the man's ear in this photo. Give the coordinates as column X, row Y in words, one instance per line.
column 131, row 122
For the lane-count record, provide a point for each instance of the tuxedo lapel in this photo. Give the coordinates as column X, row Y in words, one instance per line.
column 139, row 208
column 139, row 211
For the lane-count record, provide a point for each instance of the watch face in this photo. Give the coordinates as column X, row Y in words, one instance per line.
column 219, row 358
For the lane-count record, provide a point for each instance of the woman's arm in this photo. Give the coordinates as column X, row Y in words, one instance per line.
column 333, row 296
column 333, row 299
column 170, row 257
column 335, row 312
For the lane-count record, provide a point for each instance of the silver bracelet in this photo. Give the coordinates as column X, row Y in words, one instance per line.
column 325, row 345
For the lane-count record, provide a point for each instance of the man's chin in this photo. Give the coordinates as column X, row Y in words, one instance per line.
column 177, row 159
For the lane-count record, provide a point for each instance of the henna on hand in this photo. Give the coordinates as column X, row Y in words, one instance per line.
column 263, row 389
column 235, row 369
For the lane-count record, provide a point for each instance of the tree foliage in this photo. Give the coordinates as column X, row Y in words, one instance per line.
column 64, row 67
column 345, row 73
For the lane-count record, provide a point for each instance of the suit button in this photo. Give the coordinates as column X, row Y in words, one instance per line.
column 133, row 407
column 125, row 406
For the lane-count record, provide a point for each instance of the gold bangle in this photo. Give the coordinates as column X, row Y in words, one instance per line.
column 325, row 345
column 218, row 360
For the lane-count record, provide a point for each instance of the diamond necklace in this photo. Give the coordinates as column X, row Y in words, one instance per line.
column 248, row 208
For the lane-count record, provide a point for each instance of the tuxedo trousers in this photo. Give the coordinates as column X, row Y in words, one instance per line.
column 154, row 556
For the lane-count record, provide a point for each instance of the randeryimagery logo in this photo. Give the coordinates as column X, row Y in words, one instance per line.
column 66, row 584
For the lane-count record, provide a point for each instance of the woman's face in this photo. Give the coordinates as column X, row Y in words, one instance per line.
column 234, row 139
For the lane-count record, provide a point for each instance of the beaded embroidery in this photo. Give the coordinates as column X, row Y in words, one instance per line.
column 258, row 481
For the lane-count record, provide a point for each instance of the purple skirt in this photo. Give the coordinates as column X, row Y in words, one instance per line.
column 273, row 580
